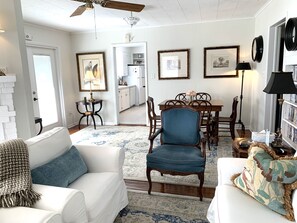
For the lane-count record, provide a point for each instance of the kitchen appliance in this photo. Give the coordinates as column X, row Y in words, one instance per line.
column 136, row 76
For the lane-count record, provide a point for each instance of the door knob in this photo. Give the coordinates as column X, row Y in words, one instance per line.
column 35, row 99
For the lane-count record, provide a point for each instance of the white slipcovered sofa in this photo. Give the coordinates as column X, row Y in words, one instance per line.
column 95, row 197
column 231, row 205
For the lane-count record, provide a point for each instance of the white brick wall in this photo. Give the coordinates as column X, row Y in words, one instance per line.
column 7, row 112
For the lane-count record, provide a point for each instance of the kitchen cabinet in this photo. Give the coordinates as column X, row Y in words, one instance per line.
column 132, row 92
column 123, row 57
column 138, row 58
column 124, row 98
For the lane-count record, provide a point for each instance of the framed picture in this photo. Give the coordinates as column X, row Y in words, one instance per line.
column 91, row 71
column 221, row 61
column 173, row 64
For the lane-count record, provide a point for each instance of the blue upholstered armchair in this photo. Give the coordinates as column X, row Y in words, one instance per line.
column 182, row 149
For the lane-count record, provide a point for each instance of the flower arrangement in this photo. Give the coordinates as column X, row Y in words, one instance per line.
column 191, row 93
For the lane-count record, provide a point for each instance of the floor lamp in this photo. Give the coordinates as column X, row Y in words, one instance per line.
column 280, row 83
column 242, row 66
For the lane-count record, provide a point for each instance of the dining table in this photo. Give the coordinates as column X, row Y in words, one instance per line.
column 216, row 107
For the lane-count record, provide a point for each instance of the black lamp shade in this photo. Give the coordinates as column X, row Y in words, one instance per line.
column 281, row 83
column 243, row 66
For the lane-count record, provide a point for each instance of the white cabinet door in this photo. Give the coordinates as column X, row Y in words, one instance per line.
column 124, row 99
column 132, row 95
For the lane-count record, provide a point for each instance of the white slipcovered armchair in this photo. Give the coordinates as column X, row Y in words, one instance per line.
column 96, row 196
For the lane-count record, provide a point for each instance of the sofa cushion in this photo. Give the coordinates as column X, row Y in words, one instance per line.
column 104, row 185
column 61, row 171
column 234, row 206
column 269, row 179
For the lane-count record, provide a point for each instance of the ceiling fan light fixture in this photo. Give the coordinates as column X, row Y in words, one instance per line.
column 132, row 20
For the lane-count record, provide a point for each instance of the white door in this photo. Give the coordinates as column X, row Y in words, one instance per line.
column 45, row 88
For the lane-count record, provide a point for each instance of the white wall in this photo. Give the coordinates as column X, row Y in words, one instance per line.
column 195, row 37
column 272, row 14
column 13, row 56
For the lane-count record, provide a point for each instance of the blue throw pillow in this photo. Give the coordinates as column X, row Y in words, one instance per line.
column 61, row 171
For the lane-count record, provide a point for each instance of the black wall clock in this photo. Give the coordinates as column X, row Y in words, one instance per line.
column 291, row 34
column 257, row 49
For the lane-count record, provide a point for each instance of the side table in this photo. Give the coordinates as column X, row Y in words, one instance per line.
column 242, row 151
column 89, row 112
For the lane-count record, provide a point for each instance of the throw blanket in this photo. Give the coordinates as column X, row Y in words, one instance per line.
column 15, row 175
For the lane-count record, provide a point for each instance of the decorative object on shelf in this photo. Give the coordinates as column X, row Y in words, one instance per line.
column 95, row 63
column 131, row 20
column 173, row 64
column 220, row 61
column 89, row 77
column 280, row 83
column 291, row 34
column 243, row 66
column 257, row 49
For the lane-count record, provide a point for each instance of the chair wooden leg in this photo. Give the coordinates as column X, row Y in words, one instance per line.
column 201, row 179
column 148, row 175
column 232, row 130
column 151, row 129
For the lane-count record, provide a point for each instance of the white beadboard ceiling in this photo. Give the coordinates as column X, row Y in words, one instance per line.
column 56, row 13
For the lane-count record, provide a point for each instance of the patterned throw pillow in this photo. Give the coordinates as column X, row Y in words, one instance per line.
column 269, row 179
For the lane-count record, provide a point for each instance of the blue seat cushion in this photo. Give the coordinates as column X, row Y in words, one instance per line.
column 177, row 158
column 60, row 171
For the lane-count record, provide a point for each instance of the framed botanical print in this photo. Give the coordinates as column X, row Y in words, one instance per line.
column 91, row 71
column 221, row 61
column 173, row 64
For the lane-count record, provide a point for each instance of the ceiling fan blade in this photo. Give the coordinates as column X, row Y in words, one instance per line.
column 123, row 6
column 80, row 10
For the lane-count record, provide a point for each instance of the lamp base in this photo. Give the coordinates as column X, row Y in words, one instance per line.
column 278, row 140
column 91, row 97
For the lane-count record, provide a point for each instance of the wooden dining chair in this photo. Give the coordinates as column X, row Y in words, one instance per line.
column 206, row 118
column 227, row 124
column 175, row 103
column 154, row 120
column 181, row 96
column 203, row 96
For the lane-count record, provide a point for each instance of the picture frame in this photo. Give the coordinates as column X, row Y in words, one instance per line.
column 91, row 70
column 220, row 62
column 173, row 64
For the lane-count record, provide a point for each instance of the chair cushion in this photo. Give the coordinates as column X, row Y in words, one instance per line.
column 99, row 190
column 180, row 126
column 61, row 171
column 176, row 158
column 269, row 179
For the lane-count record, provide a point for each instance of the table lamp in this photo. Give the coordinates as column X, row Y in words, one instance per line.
column 89, row 77
column 242, row 66
column 280, row 83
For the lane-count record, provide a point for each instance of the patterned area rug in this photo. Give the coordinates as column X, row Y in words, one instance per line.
column 161, row 208
column 135, row 141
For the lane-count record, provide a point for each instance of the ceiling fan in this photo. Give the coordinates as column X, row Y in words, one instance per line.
column 107, row 4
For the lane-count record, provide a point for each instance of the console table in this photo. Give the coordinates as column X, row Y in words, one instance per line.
column 89, row 110
column 242, row 151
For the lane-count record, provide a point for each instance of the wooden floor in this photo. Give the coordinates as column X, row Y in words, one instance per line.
column 185, row 190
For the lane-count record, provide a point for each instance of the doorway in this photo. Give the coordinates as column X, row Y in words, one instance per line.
column 130, row 66
column 45, row 88
column 275, row 63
